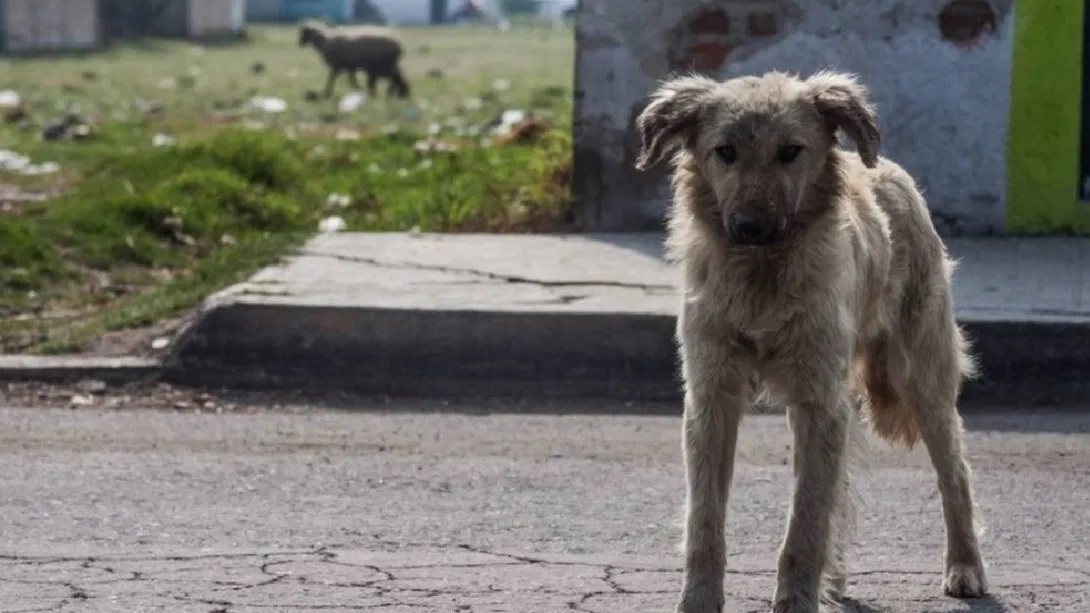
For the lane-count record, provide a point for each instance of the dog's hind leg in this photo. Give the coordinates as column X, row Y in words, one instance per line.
column 930, row 390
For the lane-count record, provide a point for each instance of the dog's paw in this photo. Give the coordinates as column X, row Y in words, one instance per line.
column 965, row 581
column 700, row 599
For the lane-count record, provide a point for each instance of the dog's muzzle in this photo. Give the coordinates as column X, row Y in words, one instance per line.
column 756, row 229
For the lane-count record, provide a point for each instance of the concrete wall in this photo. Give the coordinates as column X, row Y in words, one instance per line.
column 939, row 76
column 201, row 19
column 46, row 25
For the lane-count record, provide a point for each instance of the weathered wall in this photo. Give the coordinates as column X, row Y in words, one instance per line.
column 46, row 25
column 940, row 80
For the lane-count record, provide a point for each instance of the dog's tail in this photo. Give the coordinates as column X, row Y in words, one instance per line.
column 885, row 411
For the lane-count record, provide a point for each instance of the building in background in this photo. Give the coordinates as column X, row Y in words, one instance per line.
column 30, row 26
column 201, row 19
column 407, row 12
column 264, row 10
column 337, row 11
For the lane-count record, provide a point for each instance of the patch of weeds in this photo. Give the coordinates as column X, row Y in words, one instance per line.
column 27, row 260
column 198, row 215
column 147, row 232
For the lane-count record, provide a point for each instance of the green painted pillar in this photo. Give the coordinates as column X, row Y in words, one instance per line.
column 1048, row 156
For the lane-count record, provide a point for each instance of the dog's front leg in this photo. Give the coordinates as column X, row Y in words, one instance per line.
column 821, row 432
column 716, row 396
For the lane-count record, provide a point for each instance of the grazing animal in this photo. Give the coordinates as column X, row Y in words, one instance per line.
column 371, row 49
column 816, row 276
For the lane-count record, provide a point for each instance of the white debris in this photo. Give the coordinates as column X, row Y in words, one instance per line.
column 162, row 140
column 14, row 162
column 82, row 400
column 338, row 201
column 352, row 102
column 332, row 224
column 501, row 85
column 473, row 104
column 269, row 104
column 508, row 120
column 160, row 343
column 9, row 98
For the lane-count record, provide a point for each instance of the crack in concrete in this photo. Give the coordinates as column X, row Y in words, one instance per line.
column 320, row 583
column 491, row 276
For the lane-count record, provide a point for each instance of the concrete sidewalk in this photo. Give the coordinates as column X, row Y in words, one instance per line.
column 575, row 315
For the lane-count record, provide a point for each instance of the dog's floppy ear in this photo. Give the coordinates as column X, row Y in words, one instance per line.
column 842, row 100
column 671, row 117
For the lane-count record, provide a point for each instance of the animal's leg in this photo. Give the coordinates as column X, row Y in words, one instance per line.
column 941, row 429
column 930, row 389
column 964, row 575
column 333, row 74
column 820, row 431
column 715, row 399
column 372, row 84
column 842, row 530
column 352, row 79
column 398, row 84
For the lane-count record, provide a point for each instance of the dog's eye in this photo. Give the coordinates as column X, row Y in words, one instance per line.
column 788, row 153
column 727, row 153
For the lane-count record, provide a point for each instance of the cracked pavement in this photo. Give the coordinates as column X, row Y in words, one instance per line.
column 407, row 506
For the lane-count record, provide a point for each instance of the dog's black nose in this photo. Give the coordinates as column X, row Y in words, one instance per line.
column 754, row 229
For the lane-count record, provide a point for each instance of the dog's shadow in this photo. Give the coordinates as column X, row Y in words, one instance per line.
column 985, row 604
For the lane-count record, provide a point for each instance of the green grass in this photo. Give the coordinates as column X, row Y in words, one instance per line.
column 141, row 233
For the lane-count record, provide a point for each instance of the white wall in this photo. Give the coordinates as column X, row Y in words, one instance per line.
column 943, row 109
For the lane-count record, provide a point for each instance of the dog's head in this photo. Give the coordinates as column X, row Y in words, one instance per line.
column 761, row 143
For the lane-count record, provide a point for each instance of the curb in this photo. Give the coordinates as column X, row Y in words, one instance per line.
column 629, row 356
column 428, row 353
column 67, row 369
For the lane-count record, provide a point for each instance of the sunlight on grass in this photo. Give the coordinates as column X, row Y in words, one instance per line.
column 179, row 187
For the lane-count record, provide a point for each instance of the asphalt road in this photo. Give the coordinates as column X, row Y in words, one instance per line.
column 404, row 509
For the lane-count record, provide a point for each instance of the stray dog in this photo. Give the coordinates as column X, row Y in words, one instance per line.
column 814, row 275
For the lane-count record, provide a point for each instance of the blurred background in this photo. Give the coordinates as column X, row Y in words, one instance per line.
column 152, row 151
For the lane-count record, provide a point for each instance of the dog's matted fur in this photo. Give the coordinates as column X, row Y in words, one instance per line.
column 815, row 275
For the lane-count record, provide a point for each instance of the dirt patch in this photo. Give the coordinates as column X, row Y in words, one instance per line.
column 148, row 342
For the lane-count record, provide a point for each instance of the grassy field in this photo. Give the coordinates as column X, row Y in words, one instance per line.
column 184, row 185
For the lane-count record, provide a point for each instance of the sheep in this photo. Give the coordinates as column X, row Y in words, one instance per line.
column 372, row 49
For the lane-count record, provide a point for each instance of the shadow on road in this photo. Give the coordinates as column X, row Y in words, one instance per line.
column 987, row 604
column 1075, row 420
